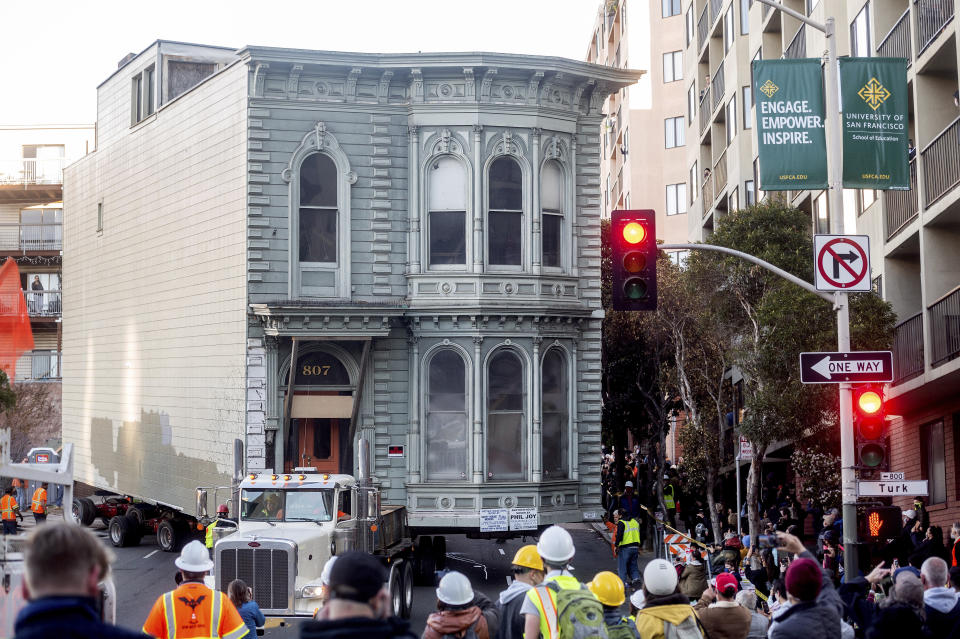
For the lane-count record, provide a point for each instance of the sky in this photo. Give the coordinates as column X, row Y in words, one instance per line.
column 54, row 53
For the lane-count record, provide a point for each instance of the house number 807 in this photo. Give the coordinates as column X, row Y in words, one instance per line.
column 315, row 370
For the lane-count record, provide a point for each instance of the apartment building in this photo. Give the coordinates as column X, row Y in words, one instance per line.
column 647, row 117
column 32, row 159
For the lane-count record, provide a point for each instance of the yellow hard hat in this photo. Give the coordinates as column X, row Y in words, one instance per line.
column 607, row 588
column 528, row 557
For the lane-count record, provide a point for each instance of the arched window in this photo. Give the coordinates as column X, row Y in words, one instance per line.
column 447, row 211
column 446, row 428
column 551, row 209
column 555, row 395
column 505, row 213
column 506, row 426
column 318, row 210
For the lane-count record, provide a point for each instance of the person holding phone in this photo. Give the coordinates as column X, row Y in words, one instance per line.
column 719, row 612
column 815, row 607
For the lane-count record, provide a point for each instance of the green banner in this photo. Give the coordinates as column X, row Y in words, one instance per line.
column 876, row 129
column 789, row 100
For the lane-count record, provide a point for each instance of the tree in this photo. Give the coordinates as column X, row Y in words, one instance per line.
column 7, row 397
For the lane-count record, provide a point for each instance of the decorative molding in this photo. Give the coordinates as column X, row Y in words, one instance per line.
column 259, row 78
column 471, row 85
column 293, row 81
column 486, row 84
column 416, row 85
column 350, row 92
column 533, row 87
column 383, row 90
column 578, row 94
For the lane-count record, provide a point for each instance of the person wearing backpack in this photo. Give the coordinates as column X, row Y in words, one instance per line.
column 561, row 607
column 666, row 613
column 527, row 568
column 461, row 613
column 609, row 591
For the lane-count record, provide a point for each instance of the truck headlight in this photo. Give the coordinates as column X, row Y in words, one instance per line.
column 311, row 592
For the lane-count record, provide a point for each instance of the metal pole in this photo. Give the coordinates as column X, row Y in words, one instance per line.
column 739, row 520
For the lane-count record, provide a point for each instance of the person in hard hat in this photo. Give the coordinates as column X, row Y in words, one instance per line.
column 460, row 610
column 9, row 511
column 38, row 505
column 325, row 584
column 629, row 501
column 539, row 608
column 637, row 602
column 664, row 604
column 65, row 565
column 193, row 609
column 628, row 548
column 527, row 568
column 609, row 591
column 222, row 521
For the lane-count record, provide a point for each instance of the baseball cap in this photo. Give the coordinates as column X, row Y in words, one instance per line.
column 357, row 576
column 725, row 581
column 629, row 484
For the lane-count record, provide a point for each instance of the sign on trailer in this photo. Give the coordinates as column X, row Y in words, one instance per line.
column 892, row 488
column 859, row 366
column 841, row 262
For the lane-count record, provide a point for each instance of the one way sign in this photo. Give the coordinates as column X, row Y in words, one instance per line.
column 833, row 368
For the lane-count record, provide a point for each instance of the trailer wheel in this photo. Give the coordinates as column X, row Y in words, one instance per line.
column 120, row 533
column 83, row 511
column 407, row 587
column 136, row 517
column 426, row 561
column 170, row 536
column 440, row 551
column 396, row 591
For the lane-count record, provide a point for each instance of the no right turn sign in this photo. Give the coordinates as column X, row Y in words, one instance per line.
column 842, row 262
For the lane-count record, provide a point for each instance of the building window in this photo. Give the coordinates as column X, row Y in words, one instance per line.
column 673, row 66
column 676, row 198
column 729, row 29
column 670, row 8
column 733, row 200
column 625, row 141
column 867, row 198
column 551, row 210
column 506, row 426
column 731, row 119
column 821, row 214
column 141, row 95
column 183, row 75
column 679, row 258
column 673, row 132
column 749, row 193
column 690, row 24
column 318, row 210
column 860, row 33
column 756, row 56
column 693, row 182
column 876, row 285
column 556, row 415
column 41, row 229
column 692, row 102
column 99, row 217
column 447, row 211
column 934, row 464
column 747, row 107
column 446, row 417
column 505, row 217
column 745, row 16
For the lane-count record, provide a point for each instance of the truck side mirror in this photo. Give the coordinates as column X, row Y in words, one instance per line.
column 201, row 503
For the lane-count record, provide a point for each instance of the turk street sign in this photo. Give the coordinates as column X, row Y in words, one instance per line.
column 841, row 262
column 891, row 488
column 833, row 368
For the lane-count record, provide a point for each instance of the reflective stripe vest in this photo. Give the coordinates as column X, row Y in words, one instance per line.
column 631, row 532
column 668, row 496
column 545, row 599
column 209, row 534
column 39, row 503
column 7, row 506
column 193, row 610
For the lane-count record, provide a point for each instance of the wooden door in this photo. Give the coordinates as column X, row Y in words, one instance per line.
column 319, row 444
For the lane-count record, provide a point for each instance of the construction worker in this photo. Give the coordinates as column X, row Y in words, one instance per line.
column 9, row 511
column 220, row 522
column 193, row 609
column 628, row 548
column 609, row 591
column 39, row 504
column 527, row 568
column 539, row 607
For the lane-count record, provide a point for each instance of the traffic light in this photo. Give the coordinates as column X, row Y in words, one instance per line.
column 634, row 254
column 881, row 523
column 870, row 428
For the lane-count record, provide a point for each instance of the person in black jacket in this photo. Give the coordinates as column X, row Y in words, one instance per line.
column 527, row 568
column 901, row 614
column 65, row 565
column 815, row 608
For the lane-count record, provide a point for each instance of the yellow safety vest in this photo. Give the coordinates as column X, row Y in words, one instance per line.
column 545, row 599
column 631, row 532
column 38, row 505
column 209, row 537
column 668, row 497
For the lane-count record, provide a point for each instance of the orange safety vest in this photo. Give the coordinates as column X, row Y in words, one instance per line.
column 193, row 610
column 7, row 505
column 39, row 503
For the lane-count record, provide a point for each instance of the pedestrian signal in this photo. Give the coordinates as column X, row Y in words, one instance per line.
column 634, row 255
column 879, row 523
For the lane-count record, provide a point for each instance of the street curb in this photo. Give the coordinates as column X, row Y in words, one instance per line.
column 603, row 530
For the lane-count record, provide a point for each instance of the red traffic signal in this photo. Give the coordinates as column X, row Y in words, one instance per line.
column 869, row 427
column 878, row 523
column 634, row 252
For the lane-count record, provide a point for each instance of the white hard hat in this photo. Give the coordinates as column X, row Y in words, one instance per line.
column 629, row 484
column 556, row 545
column 638, row 600
column 325, row 574
column 455, row 589
column 660, row 578
column 194, row 558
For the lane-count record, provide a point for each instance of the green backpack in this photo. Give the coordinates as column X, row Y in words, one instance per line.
column 579, row 614
column 622, row 630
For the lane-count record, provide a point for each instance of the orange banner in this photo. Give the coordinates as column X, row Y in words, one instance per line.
column 16, row 336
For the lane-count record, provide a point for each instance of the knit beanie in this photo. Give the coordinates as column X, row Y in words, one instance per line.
column 804, row 579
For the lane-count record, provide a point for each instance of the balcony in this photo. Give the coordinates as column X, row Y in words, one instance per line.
column 901, row 207
column 945, row 328
column 39, row 366
column 908, row 349
column 720, row 173
column 703, row 28
column 24, row 238
column 705, row 110
column 715, row 6
column 717, row 88
column 896, row 44
column 941, row 163
column 43, row 303
column 29, row 180
column 706, row 195
column 932, row 16
column 798, row 46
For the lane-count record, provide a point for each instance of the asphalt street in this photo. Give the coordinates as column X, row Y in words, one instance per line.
column 143, row 573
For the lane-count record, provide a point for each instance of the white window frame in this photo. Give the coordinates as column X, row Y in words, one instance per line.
column 745, row 16
column 566, row 259
column 731, row 117
column 672, row 66
column 527, row 411
column 567, row 363
column 747, row 107
column 861, row 22
column 468, row 214
column 729, row 29
column 674, row 129
column 690, row 25
column 694, row 182
column 749, row 193
column 143, row 92
column 676, row 193
column 426, row 361
column 692, row 102
column 525, row 178
column 670, row 8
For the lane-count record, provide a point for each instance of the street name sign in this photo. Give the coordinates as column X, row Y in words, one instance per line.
column 859, row 366
column 841, row 262
column 892, row 488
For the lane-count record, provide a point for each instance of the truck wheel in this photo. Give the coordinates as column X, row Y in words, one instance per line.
column 169, row 536
column 120, row 534
column 426, row 561
column 396, row 592
column 83, row 511
column 135, row 515
column 406, row 570
column 440, row 551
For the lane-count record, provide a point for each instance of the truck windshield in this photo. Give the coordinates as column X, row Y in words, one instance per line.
column 287, row 505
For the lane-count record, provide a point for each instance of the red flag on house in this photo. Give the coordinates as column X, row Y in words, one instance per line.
column 16, row 337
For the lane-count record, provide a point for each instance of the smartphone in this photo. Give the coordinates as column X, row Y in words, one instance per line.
column 767, row 541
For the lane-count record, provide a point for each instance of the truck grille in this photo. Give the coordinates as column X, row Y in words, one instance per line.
column 266, row 570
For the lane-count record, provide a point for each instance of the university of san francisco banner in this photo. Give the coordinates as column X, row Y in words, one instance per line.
column 792, row 141
column 874, row 101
